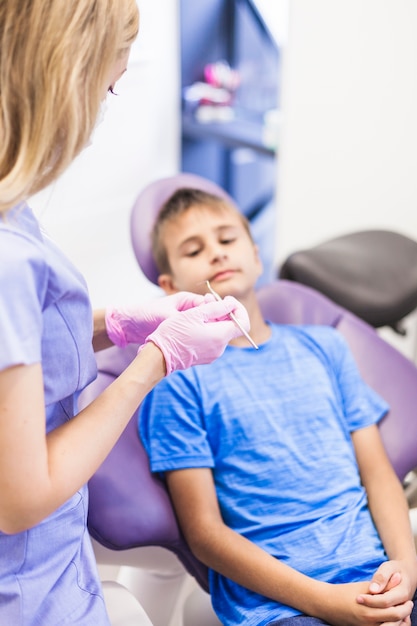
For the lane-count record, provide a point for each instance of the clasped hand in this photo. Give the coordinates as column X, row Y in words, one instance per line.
column 385, row 601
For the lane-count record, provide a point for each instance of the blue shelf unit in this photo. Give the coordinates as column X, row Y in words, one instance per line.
column 233, row 153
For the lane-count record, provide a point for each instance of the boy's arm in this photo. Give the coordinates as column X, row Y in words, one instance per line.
column 225, row 551
column 390, row 513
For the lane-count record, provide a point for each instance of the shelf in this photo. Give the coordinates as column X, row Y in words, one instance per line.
column 238, row 133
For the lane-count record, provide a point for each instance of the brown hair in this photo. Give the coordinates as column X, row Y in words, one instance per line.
column 181, row 201
column 55, row 58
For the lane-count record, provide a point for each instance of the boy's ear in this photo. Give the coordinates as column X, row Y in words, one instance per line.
column 166, row 283
column 258, row 259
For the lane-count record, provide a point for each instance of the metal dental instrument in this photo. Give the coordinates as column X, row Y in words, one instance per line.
column 232, row 316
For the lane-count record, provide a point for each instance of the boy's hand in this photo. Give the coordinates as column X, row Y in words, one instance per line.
column 385, row 578
column 134, row 324
column 392, row 585
column 344, row 609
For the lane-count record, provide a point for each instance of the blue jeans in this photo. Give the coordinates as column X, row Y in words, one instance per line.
column 298, row 620
column 306, row 620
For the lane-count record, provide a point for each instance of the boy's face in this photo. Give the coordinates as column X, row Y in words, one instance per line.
column 206, row 244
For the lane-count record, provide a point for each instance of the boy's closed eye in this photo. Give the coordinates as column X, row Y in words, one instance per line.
column 227, row 240
column 194, row 252
column 191, row 247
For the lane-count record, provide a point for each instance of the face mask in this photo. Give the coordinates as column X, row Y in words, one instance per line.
column 100, row 117
column 104, row 105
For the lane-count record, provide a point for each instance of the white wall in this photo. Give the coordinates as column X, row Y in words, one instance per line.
column 348, row 155
column 87, row 210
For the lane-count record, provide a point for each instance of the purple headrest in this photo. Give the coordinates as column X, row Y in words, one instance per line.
column 147, row 206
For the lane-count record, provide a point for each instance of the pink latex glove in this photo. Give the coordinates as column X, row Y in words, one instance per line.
column 199, row 335
column 134, row 324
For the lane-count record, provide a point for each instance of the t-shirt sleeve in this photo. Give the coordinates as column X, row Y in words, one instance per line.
column 171, row 425
column 23, row 282
column 361, row 404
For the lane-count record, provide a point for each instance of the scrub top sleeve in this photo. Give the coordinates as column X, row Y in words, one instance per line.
column 23, row 285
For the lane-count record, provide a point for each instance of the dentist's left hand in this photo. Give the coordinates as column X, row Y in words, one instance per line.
column 134, row 324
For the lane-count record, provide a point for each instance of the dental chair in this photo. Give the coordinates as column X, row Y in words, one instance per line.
column 372, row 273
column 131, row 519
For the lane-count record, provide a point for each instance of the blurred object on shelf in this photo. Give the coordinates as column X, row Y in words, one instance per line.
column 220, row 74
column 207, row 113
column 202, row 94
column 211, row 100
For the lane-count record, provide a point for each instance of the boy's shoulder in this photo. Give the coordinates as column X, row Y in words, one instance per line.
column 317, row 338
column 317, row 332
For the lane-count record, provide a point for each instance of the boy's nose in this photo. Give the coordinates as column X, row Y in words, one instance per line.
column 217, row 253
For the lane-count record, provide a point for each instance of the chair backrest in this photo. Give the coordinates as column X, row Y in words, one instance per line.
column 129, row 507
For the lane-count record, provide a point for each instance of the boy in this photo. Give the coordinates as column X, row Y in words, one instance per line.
column 273, row 457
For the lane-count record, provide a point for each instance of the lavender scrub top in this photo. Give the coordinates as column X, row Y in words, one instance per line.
column 48, row 574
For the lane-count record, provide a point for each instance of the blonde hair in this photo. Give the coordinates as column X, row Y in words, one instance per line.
column 181, row 201
column 55, row 58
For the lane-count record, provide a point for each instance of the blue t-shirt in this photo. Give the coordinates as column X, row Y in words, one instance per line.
column 275, row 426
column 48, row 573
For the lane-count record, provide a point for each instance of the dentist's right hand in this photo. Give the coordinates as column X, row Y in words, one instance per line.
column 200, row 334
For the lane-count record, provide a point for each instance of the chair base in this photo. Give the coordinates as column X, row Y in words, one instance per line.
column 122, row 606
